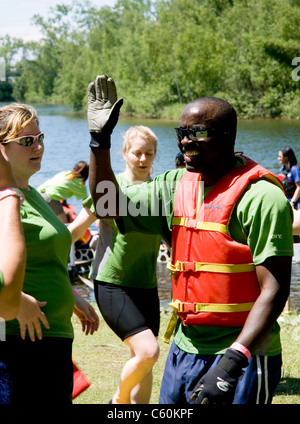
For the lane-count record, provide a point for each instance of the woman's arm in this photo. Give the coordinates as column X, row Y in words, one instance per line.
column 296, row 194
column 81, row 223
column 12, row 245
column 296, row 222
column 12, row 258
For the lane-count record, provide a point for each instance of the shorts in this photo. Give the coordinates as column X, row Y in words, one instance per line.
column 128, row 310
column 183, row 370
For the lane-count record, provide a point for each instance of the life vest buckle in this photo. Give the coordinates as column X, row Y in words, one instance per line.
column 191, row 223
column 186, row 308
column 187, row 266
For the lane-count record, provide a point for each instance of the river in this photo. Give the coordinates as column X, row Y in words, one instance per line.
column 67, row 139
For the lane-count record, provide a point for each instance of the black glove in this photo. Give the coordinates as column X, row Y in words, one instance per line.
column 103, row 110
column 218, row 385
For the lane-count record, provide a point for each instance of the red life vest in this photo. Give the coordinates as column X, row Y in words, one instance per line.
column 213, row 276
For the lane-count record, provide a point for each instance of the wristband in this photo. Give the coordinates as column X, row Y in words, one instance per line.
column 240, row 348
column 100, row 140
column 12, row 191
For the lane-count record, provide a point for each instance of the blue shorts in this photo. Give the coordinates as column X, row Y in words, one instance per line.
column 183, row 370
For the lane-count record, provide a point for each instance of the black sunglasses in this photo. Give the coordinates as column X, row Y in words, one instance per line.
column 194, row 133
column 197, row 133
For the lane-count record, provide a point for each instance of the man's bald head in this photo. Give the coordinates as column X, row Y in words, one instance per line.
column 215, row 113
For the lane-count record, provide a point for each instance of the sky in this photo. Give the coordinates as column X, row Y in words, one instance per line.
column 15, row 15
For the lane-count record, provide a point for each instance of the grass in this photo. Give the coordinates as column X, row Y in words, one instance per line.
column 102, row 356
column 288, row 390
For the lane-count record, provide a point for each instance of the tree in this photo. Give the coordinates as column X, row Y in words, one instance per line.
column 165, row 53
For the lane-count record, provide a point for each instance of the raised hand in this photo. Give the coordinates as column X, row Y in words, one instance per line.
column 103, row 110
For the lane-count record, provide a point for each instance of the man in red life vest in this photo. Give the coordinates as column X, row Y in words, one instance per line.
column 230, row 226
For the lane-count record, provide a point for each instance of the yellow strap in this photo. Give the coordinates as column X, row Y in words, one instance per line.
column 200, row 225
column 214, row 307
column 210, row 267
column 170, row 327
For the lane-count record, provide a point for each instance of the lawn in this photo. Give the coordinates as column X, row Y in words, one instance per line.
column 102, row 356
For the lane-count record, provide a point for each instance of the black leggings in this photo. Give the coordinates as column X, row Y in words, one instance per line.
column 128, row 310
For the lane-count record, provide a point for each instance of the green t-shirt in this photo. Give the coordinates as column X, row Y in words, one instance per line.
column 60, row 188
column 262, row 219
column 127, row 260
column 48, row 244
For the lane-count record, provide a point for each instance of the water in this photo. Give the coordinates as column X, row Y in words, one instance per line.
column 67, row 139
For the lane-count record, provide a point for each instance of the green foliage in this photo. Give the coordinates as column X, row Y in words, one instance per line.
column 163, row 53
column 9, row 48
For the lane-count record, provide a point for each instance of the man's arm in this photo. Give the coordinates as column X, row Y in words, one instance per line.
column 103, row 114
column 100, row 171
column 274, row 277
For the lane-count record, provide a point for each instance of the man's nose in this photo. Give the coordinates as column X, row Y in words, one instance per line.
column 185, row 141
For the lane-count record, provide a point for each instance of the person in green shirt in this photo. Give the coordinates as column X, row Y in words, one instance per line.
column 124, row 274
column 38, row 347
column 64, row 185
column 206, row 362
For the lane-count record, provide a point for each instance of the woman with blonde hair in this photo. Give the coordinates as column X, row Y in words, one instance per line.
column 124, row 274
column 38, row 348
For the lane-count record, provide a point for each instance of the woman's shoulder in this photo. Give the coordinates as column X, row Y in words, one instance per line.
column 295, row 168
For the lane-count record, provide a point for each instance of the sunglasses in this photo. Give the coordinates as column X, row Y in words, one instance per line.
column 196, row 133
column 27, row 140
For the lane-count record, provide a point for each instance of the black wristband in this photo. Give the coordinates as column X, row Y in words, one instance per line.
column 100, row 140
column 233, row 362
